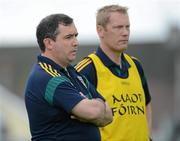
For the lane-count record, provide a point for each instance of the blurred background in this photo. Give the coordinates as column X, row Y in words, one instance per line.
column 155, row 40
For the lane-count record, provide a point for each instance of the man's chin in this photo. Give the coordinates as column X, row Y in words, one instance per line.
column 72, row 59
column 123, row 48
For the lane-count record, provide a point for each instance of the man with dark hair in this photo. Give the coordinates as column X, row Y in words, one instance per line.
column 61, row 104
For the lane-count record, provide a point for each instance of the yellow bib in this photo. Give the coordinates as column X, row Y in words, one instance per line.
column 126, row 98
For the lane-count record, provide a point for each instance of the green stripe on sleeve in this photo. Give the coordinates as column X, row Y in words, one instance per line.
column 51, row 87
column 87, row 84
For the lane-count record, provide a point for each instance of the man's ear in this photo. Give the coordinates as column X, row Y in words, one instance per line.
column 48, row 43
column 100, row 30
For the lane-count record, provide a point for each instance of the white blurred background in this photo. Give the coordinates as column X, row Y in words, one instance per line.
column 155, row 40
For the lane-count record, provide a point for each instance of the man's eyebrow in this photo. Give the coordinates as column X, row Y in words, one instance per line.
column 69, row 35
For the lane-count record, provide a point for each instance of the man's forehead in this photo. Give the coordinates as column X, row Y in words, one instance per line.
column 67, row 29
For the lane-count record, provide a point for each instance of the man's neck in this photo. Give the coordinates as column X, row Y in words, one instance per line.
column 114, row 56
column 63, row 65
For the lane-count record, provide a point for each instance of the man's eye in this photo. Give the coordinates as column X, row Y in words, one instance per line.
column 68, row 37
column 76, row 35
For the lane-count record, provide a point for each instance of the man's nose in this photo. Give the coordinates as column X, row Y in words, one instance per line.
column 125, row 31
column 75, row 42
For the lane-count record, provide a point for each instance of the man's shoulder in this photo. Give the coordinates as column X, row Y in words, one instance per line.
column 124, row 55
column 137, row 63
column 42, row 73
column 84, row 65
column 47, row 70
column 133, row 58
column 38, row 75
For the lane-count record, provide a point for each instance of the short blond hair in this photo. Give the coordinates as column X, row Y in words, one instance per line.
column 103, row 14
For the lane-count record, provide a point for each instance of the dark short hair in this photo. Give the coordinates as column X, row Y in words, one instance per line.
column 48, row 26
